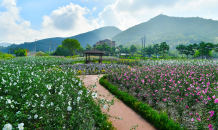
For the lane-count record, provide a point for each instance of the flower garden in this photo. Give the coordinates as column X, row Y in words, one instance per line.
column 45, row 93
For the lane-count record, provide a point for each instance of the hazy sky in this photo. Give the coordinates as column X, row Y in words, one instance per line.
column 24, row 20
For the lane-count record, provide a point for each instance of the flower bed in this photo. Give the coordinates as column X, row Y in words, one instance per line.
column 186, row 90
column 36, row 94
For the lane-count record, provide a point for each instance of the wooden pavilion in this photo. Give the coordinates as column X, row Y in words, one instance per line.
column 93, row 52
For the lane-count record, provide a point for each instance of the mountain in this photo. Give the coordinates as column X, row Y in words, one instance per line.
column 172, row 30
column 90, row 37
column 5, row 44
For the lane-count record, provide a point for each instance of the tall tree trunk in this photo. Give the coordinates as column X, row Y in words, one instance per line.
column 202, row 54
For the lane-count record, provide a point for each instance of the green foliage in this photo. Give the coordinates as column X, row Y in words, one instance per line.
column 88, row 47
column 39, row 54
column 173, row 30
column 72, row 45
column 6, row 56
column 45, row 55
column 164, row 48
column 62, row 51
column 133, row 49
column 20, row 52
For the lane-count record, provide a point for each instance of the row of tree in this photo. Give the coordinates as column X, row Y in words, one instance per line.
column 197, row 49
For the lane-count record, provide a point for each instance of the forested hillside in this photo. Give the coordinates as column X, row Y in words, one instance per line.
column 173, row 30
column 89, row 37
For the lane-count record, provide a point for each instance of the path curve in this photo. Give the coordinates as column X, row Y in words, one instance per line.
column 119, row 109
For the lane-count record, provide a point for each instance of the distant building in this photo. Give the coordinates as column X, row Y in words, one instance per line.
column 108, row 41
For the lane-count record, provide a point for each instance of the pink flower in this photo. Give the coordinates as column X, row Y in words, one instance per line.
column 213, row 96
column 192, row 119
column 199, row 119
column 210, row 126
column 156, row 91
column 216, row 100
column 164, row 89
column 211, row 113
column 168, row 97
column 196, row 113
column 208, row 98
column 164, row 99
column 201, row 96
column 186, row 106
column 133, row 87
column 190, row 113
column 208, row 119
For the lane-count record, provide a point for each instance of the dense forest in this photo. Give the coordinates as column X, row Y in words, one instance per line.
column 173, row 30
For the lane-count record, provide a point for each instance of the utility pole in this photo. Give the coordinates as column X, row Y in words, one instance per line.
column 49, row 46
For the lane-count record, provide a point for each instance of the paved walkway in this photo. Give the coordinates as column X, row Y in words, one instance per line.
column 119, row 109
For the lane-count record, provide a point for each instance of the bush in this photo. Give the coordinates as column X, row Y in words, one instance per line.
column 6, row 56
column 20, row 52
column 45, row 55
column 40, row 54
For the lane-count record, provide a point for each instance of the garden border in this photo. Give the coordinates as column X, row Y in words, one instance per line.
column 159, row 121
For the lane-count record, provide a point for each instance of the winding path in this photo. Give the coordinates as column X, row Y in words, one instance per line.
column 119, row 109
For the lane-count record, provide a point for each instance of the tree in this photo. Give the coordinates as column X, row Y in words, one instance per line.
column 133, row 49
column 71, row 44
column 20, row 52
column 156, row 49
column 126, row 50
column 99, row 47
column 88, row 47
column 216, row 47
column 164, row 48
column 208, row 48
column 195, row 46
column 189, row 50
column 181, row 49
column 201, row 48
column 80, row 51
column 149, row 51
column 60, row 51
column 113, row 49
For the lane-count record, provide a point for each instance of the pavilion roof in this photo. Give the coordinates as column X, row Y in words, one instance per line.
column 93, row 52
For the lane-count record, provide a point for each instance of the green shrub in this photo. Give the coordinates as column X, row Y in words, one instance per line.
column 39, row 54
column 45, row 55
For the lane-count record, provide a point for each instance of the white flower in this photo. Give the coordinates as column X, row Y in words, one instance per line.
column 94, row 95
column 69, row 108
column 74, row 103
column 52, row 103
column 7, row 127
column 94, row 86
column 15, row 83
column 35, row 117
column 8, row 101
column 69, row 102
column 105, row 106
column 80, row 84
column 18, row 112
column 78, row 98
column 20, row 126
column 120, row 118
column 49, row 86
column 80, row 92
column 37, row 95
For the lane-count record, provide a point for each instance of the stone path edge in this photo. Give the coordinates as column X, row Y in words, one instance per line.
column 119, row 109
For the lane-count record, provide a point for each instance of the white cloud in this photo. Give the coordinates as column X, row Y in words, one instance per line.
column 13, row 28
column 126, row 13
column 67, row 21
column 122, row 20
